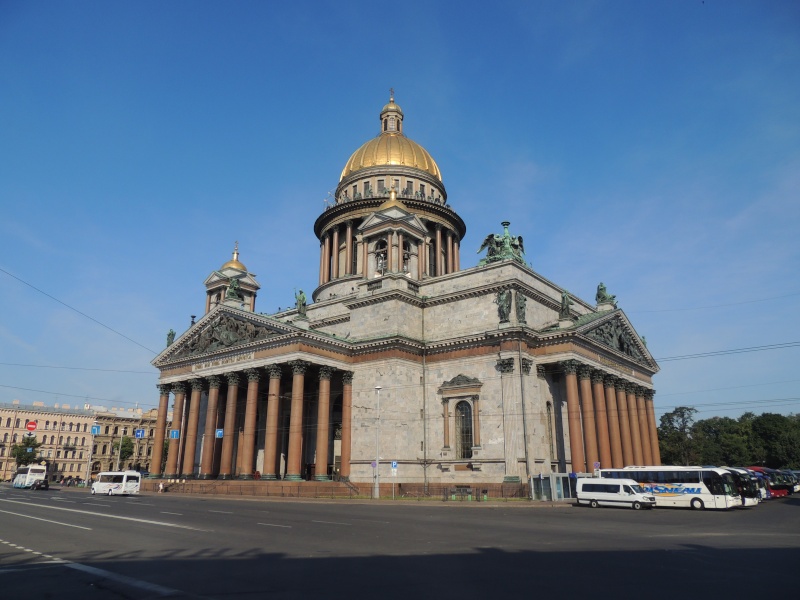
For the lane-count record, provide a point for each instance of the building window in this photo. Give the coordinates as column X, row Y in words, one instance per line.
column 463, row 430
column 80, row 455
column 422, row 190
column 381, row 186
column 47, row 424
column 107, row 428
column 8, row 422
column 116, row 429
column 397, row 185
column 17, row 423
column 367, row 190
column 58, row 454
column 151, row 433
column 105, row 448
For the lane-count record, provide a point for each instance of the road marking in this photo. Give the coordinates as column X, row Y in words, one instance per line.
column 143, row 503
column 45, row 520
column 332, row 523
column 107, row 516
column 222, row 512
column 95, row 504
column 163, row 512
column 274, row 525
column 138, row 583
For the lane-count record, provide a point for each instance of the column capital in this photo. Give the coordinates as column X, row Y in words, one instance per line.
column 631, row 387
column 598, row 376
column 620, row 384
column 233, row 378
column 164, row 389
column 505, row 365
column 197, row 385
column 253, row 375
column 648, row 394
column 178, row 387
column 640, row 391
column 526, row 364
column 325, row 372
column 609, row 380
column 570, row 366
column 541, row 372
column 214, row 381
column 584, row 371
column 347, row 377
column 299, row 367
column 274, row 371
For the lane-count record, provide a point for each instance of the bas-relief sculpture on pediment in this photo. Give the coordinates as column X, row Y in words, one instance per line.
column 223, row 332
column 614, row 335
column 461, row 380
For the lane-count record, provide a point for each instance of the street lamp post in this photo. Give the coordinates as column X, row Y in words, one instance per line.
column 376, row 493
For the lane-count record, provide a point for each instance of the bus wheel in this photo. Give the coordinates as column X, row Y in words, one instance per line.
column 93, row 492
column 697, row 504
column 109, row 492
column 593, row 503
column 636, row 506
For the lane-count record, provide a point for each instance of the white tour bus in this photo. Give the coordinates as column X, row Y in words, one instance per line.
column 27, row 476
column 114, row 483
column 612, row 492
column 683, row 487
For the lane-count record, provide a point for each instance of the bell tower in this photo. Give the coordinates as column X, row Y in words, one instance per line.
column 232, row 285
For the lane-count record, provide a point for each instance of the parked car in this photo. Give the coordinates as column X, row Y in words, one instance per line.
column 40, row 484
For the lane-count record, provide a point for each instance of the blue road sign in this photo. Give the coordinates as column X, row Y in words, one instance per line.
column 219, row 433
column 95, row 429
column 174, row 434
column 394, row 464
column 139, row 433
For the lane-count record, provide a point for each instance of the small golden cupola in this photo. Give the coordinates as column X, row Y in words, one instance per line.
column 232, row 285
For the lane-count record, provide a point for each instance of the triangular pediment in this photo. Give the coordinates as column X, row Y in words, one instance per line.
column 225, row 275
column 221, row 330
column 616, row 332
column 393, row 216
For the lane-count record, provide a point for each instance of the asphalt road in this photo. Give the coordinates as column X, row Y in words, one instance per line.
column 66, row 544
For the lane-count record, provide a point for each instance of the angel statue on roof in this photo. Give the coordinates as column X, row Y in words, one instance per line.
column 502, row 247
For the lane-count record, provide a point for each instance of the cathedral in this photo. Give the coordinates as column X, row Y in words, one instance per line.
column 401, row 367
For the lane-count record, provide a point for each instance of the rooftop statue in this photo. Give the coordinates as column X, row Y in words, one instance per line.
column 603, row 297
column 300, row 303
column 170, row 337
column 233, row 292
column 502, row 247
column 566, row 302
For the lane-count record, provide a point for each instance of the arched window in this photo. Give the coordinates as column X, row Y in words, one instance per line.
column 52, row 439
column 17, row 423
column 69, row 440
column 47, row 424
column 70, row 426
column 381, row 257
column 8, row 422
column 464, row 430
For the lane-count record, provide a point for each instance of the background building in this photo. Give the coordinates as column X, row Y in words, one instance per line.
column 406, row 367
column 67, row 443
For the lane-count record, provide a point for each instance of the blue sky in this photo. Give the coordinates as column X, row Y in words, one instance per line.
column 654, row 146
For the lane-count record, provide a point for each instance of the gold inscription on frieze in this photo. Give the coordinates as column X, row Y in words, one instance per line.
column 220, row 362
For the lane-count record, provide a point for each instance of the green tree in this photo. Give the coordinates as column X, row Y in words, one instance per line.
column 779, row 437
column 21, row 453
column 722, row 441
column 124, row 449
column 675, row 439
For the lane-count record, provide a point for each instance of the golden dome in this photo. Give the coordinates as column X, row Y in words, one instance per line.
column 391, row 148
column 234, row 262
